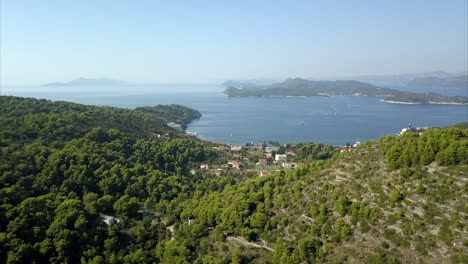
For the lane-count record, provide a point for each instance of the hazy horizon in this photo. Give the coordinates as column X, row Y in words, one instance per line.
column 272, row 79
column 208, row 42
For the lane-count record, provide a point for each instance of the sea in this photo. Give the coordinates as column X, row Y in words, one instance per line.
column 335, row 120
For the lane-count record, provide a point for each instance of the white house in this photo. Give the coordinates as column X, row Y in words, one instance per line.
column 281, row 157
column 236, row 148
column 288, row 165
column 204, row 166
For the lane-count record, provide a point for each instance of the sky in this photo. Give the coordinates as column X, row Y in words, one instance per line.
column 211, row 41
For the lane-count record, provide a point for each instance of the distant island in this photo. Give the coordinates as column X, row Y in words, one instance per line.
column 307, row 88
column 399, row 79
column 250, row 83
column 88, row 82
column 299, row 87
column 239, row 85
column 435, row 82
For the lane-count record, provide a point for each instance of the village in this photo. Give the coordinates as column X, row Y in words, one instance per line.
column 258, row 160
column 263, row 158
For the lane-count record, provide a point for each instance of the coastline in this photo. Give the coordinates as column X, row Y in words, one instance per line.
column 397, row 102
column 446, row 103
column 412, row 103
column 273, row 96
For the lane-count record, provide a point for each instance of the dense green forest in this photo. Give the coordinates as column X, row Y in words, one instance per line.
column 65, row 167
column 172, row 113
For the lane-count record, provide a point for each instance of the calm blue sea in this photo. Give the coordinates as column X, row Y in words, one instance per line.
column 333, row 120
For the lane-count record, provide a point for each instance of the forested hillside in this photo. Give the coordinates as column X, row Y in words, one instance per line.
column 172, row 113
column 389, row 201
column 64, row 168
column 64, row 165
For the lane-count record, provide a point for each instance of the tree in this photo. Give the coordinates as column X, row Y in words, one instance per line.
column 236, row 257
column 309, row 249
column 126, row 206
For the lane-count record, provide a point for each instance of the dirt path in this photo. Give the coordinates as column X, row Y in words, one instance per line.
column 247, row 243
column 303, row 216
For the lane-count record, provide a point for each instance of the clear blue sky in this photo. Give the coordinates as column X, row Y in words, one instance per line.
column 208, row 41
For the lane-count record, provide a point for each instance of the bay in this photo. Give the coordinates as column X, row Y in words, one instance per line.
column 334, row 120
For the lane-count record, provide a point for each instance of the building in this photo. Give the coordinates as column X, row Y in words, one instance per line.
column 262, row 162
column 218, row 172
column 288, row 165
column 269, row 155
column 110, row 220
column 271, row 149
column 290, row 153
column 204, row 166
column 281, row 157
column 234, row 164
column 235, row 147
